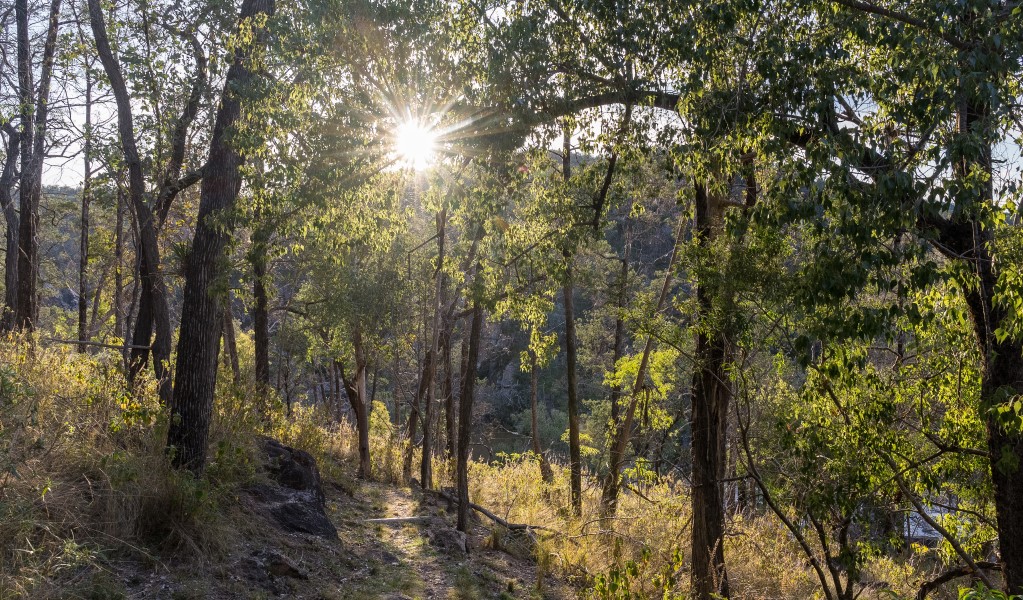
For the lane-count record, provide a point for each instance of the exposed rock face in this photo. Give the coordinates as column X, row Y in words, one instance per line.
column 292, row 468
column 295, row 501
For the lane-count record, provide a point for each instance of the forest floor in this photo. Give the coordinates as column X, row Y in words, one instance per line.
column 403, row 561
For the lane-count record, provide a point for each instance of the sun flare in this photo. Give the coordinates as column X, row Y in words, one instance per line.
column 415, row 145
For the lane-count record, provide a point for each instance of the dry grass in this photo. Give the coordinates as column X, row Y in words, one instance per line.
column 84, row 480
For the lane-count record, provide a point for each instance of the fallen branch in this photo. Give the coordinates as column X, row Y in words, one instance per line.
column 496, row 519
column 400, row 520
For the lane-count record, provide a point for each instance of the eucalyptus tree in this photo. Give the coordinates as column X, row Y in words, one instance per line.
column 354, row 249
column 12, row 153
column 149, row 214
column 201, row 313
column 34, row 99
column 889, row 114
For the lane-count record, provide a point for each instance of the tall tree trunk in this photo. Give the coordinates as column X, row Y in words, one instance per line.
column 448, row 392
column 119, row 316
column 83, row 251
column 153, row 296
column 430, row 374
column 534, row 388
column 142, row 332
column 465, row 418
column 574, row 451
column 711, row 394
column 196, row 373
column 11, row 218
column 413, row 419
column 1002, row 373
column 33, row 149
column 358, row 397
column 148, row 244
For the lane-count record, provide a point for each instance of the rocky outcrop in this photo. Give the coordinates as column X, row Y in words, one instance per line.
column 293, row 499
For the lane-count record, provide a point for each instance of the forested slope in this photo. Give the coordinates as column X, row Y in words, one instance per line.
column 626, row 300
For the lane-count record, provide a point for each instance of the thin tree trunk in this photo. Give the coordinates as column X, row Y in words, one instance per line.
column 260, row 312
column 1002, row 373
column 33, row 149
column 413, row 419
column 430, row 374
column 333, row 378
column 574, row 452
column 465, row 418
column 83, row 263
column 11, row 218
column 97, row 297
column 358, row 398
column 119, row 316
column 623, row 429
column 448, row 392
column 149, row 307
column 230, row 343
column 149, row 246
column 196, row 373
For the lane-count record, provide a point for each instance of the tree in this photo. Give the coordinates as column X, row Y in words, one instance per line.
column 34, row 120
column 201, row 313
column 7, row 177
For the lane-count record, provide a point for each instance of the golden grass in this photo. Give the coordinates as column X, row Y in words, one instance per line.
column 83, row 478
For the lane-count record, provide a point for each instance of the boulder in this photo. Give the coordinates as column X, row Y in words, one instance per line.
column 446, row 538
column 292, row 468
column 294, row 499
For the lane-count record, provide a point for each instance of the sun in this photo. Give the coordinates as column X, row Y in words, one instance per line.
column 415, row 145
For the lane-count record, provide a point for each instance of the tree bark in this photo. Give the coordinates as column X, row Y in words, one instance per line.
column 171, row 184
column 711, row 394
column 414, row 417
column 430, row 372
column 11, row 218
column 359, row 400
column 196, row 373
column 33, row 149
column 623, row 429
column 260, row 312
column 574, row 453
column 967, row 238
column 448, row 391
column 149, row 246
column 465, row 418
column 230, row 342
column 119, row 316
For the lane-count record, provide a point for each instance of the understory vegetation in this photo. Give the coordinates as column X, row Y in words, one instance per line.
column 619, row 300
column 87, row 485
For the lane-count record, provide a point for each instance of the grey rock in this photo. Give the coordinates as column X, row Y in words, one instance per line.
column 295, row 500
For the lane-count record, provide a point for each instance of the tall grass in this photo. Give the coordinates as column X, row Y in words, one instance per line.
column 84, row 479
column 84, row 476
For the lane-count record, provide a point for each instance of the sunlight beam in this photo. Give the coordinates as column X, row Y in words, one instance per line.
column 415, row 145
